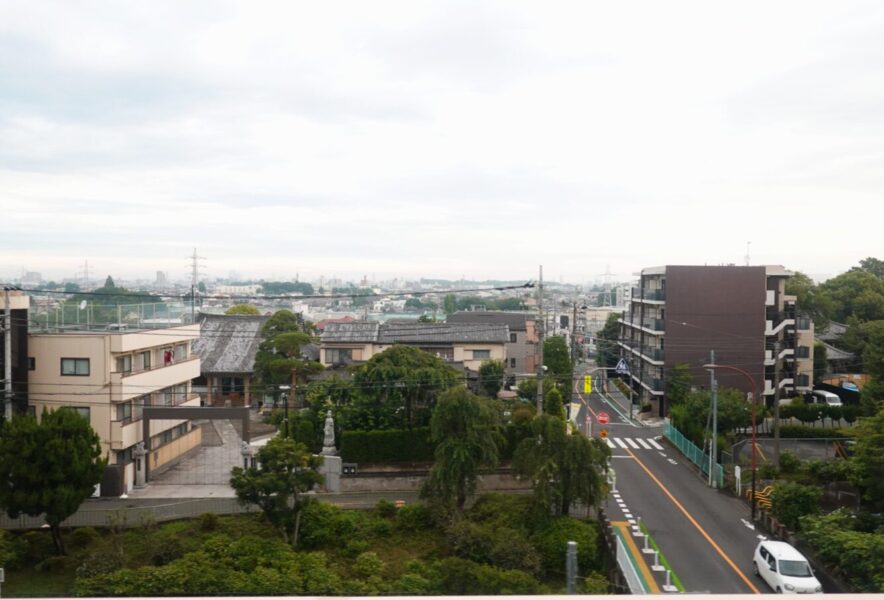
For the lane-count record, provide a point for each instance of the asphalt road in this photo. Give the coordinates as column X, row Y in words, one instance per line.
column 700, row 531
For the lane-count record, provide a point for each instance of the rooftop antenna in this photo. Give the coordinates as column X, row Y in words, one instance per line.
column 747, row 253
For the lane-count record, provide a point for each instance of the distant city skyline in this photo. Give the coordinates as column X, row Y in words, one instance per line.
column 475, row 139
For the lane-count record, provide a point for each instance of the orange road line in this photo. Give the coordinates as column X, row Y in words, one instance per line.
column 638, row 556
column 693, row 521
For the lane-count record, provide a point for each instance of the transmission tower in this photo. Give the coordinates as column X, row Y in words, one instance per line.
column 606, row 299
column 85, row 273
column 195, row 265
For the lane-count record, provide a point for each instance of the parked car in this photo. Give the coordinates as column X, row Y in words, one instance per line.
column 827, row 398
column 784, row 569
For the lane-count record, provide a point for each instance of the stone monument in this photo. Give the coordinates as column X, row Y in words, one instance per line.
column 331, row 464
column 328, row 441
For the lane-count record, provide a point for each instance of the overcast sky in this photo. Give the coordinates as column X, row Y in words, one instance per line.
column 440, row 139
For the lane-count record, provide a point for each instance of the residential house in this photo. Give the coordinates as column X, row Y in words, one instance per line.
column 680, row 314
column 109, row 377
column 227, row 347
column 521, row 346
column 465, row 344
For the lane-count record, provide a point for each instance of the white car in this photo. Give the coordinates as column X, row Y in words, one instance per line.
column 785, row 569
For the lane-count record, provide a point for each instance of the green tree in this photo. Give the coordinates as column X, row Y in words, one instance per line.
column 71, row 288
column 399, row 386
column 810, row 302
column 868, row 459
column 109, row 283
column 49, row 468
column 557, row 359
column 606, row 342
column 202, row 287
column 491, row 377
column 553, row 403
column 243, row 309
column 791, row 501
column 855, row 293
column 875, row 266
column 562, row 468
column 277, row 486
column 820, row 361
column 464, row 428
column 449, row 305
column 678, row 383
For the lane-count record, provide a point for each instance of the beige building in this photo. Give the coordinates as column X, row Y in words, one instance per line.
column 459, row 343
column 109, row 377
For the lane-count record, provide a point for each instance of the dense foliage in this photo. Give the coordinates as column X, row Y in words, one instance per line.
column 853, row 546
column 380, row 446
column 243, row 309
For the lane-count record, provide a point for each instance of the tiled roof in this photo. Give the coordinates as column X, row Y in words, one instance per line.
column 228, row 343
column 415, row 333
column 514, row 320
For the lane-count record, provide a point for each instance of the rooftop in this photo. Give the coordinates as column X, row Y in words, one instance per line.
column 415, row 333
column 228, row 343
column 516, row 321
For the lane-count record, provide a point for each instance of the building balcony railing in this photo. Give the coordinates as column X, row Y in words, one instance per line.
column 656, row 295
column 125, row 386
column 653, row 324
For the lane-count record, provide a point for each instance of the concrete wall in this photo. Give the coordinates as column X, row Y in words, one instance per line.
column 391, row 482
column 166, row 456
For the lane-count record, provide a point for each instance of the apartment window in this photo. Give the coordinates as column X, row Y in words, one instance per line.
column 802, row 380
column 180, row 352
column 513, row 338
column 803, row 323
column 138, row 406
column 124, row 412
column 166, row 396
column 803, row 352
column 338, row 355
column 32, row 363
column 75, row 366
column 124, row 457
column 83, row 411
column 167, row 356
column 481, row 354
column 142, row 361
column 124, row 364
column 512, row 363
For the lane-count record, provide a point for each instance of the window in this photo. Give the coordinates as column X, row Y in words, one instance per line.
column 138, row 406
column 481, row 354
column 142, row 361
column 32, row 363
column 803, row 352
column 802, row 380
column 513, row 338
column 124, row 457
column 512, row 363
column 83, row 411
column 75, row 366
column 166, row 353
column 180, row 352
column 124, row 412
column 338, row 355
column 124, row 364
column 803, row 323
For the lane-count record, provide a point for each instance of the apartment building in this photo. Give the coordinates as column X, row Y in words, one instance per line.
column 16, row 388
column 460, row 343
column 521, row 346
column 679, row 314
column 109, row 377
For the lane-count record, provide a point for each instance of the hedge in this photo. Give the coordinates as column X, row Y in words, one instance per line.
column 387, row 446
column 803, row 431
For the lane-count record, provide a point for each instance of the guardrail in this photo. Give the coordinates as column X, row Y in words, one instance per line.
column 693, row 453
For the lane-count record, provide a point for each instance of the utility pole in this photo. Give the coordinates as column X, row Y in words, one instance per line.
column 7, row 356
column 713, row 387
column 776, row 403
column 540, row 326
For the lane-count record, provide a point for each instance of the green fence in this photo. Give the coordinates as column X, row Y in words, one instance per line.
column 694, row 454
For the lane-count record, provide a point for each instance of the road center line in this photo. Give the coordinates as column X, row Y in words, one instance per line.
column 693, row 521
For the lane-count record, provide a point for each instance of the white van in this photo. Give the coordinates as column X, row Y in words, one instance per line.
column 827, row 398
column 784, row 569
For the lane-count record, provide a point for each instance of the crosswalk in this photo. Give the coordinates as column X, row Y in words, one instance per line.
column 633, row 443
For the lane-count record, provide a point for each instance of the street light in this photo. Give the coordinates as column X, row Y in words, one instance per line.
column 754, row 395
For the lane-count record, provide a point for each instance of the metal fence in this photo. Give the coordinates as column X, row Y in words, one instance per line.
column 694, row 454
column 133, row 514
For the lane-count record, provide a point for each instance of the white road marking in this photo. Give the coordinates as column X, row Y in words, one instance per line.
column 610, row 443
column 672, row 461
column 748, row 524
column 643, row 443
column 632, row 443
column 628, row 516
column 620, row 443
column 632, row 521
column 655, row 444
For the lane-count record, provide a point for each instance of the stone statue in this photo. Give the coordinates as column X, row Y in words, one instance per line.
column 328, row 441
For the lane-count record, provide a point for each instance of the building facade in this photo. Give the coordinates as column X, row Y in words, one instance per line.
column 521, row 345
column 680, row 314
column 467, row 344
column 227, row 347
column 16, row 320
column 109, row 377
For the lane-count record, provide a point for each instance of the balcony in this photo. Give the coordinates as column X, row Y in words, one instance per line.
column 652, row 384
column 769, row 357
column 770, row 329
column 126, row 386
column 654, row 325
column 124, row 434
column 650, row 296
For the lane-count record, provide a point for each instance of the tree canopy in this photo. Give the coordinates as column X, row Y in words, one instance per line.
column 464, row 429
column 49, row 468
column 557, row 359
column 491, row 374
column 286, row 470
column 606, row 342
column 243, row 309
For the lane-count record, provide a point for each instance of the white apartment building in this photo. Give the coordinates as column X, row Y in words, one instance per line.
column 109, row 377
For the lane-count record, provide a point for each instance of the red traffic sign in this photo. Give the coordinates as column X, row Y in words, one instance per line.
column 602, row 418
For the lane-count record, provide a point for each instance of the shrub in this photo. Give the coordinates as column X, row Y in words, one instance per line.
column 414, row 517
column 768, row 471
column 38, row 546
column 356, row 547
column 387, row 446
column 368, row 565
column 458, row 577
column 552, row 543
column 790, row 501
column 503, row 510
column 803, row 431
column 99, row 562
column 208, row 522
column 828, row 471
column 53, row 564
column 82, row 537
column 856, row 555
column 789, row 462
column 385, row 509
column 13, row 549
column 499, row 546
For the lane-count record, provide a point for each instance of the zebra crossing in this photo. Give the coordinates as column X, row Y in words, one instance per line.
column 633, row 443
